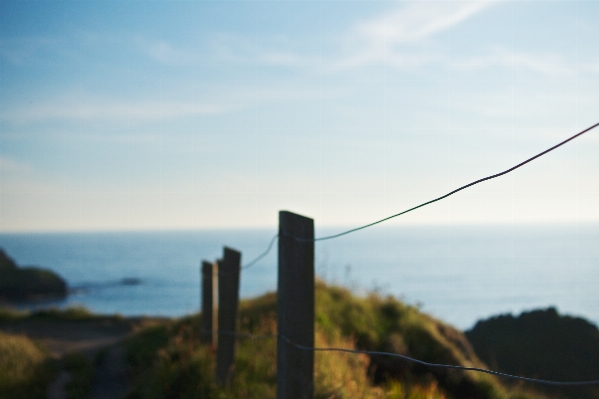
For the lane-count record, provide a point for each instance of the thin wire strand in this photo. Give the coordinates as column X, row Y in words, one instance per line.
column 262, row 255
column 445, row 366
column 456, row 190
column 421, row 205
column 403, row 357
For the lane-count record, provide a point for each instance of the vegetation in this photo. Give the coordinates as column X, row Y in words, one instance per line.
column 28, row 283
column 82, row 373
column 168, row 360
column 25, row 368
column 541, row 344
column 72, row 313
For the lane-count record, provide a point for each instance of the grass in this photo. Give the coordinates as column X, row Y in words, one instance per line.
column 25, row 368
column 72, row 313
column 8, row 315
column 169, row 361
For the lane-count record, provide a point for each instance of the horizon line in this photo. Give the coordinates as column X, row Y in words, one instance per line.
column 172, row 229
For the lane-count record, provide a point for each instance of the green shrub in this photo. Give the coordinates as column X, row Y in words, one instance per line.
column 8, row 315
column 72, row 313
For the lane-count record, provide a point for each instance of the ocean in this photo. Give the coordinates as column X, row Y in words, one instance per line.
column 459, row 274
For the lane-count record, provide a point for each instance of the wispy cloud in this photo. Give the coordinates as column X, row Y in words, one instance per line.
column 417, row 22
column 390, row 39
column 166, row 53
column 82, row 108
column 544, row 64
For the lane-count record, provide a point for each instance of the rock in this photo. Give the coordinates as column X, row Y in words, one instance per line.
column 130, row 281
column 28, row 283
column 541, row 344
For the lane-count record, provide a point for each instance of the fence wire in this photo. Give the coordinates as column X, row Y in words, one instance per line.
column 270, row 245
column 406, row 358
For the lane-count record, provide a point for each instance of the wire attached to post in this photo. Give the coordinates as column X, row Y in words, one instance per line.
column 262, row 255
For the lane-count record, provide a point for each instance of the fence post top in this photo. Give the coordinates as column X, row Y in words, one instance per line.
column 207, row 266
column 284, row 213
column 229, row 249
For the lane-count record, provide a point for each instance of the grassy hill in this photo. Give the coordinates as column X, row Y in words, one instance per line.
column 169, row 362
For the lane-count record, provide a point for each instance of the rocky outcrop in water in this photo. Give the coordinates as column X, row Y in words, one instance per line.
column 18, row 284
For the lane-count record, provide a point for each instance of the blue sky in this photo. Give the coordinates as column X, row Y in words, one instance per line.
column 193, row 114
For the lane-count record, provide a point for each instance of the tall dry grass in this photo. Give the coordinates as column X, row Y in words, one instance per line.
column 25, row 368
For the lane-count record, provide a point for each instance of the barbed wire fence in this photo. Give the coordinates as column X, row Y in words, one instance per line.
column 295, row 337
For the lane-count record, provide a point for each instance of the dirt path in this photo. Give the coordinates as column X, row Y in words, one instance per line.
column 112, row 376
column 90, row 337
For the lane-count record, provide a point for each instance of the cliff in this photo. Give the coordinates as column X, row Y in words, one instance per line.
column 28, row 283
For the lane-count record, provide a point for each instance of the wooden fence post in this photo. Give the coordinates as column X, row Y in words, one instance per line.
column 228, row 302
column 295, row 308
column 215, row 268
column 206, row 328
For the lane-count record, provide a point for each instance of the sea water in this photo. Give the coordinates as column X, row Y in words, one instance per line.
column 459, row 274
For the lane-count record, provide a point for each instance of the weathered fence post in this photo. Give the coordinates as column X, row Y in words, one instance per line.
column 209, row 281
column 228, row 301
column 295, row 308
column 215, row 267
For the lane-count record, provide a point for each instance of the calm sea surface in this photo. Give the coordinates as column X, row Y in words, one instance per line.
column 459, row 274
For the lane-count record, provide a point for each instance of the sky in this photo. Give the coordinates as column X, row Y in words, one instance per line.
column 131, row 115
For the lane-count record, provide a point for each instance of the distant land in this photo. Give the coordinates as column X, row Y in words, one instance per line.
column 31, row 283
column 542, row 344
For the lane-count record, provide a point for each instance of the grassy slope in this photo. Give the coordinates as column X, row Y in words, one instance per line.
column 25, row 368
column 169, row 362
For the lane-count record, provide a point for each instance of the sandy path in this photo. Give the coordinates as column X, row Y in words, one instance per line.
column 111, row 375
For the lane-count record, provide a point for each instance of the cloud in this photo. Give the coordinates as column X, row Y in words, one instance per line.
column 165, row 53
column 387, row 39
column 288, row 59
column 90, row 109
column 544, row 64
column 402, row 38
column 390, row 39
column 417, row 22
